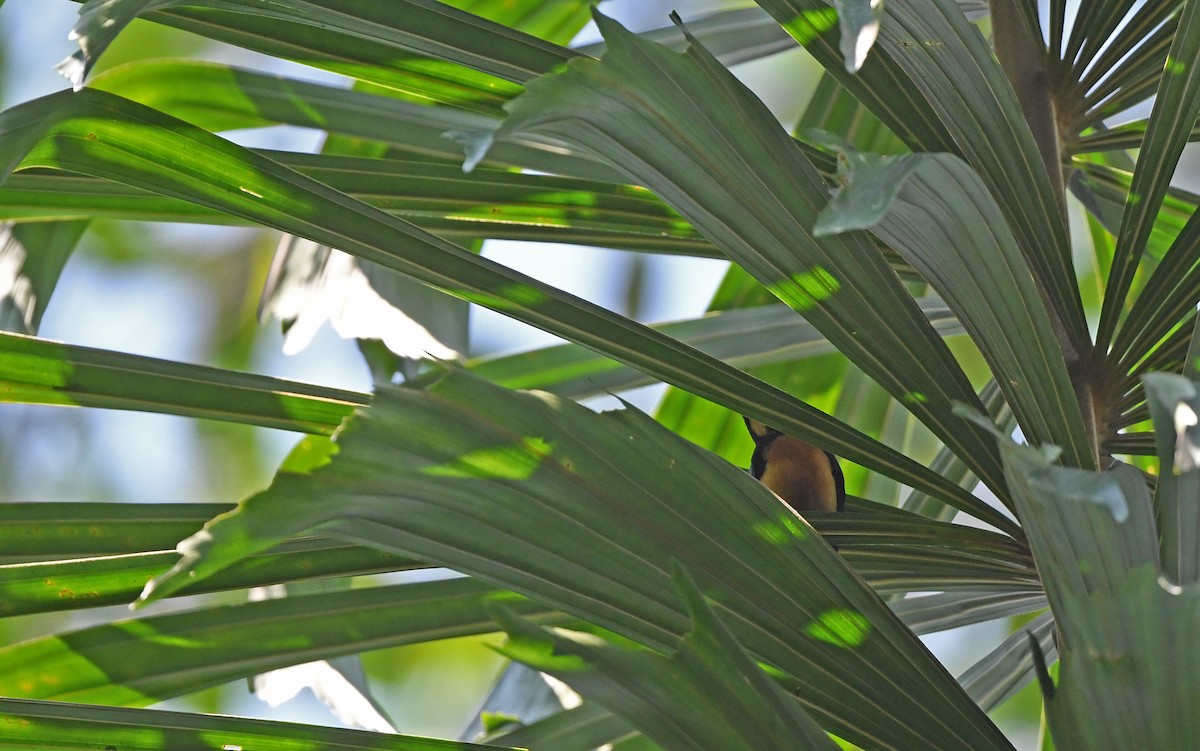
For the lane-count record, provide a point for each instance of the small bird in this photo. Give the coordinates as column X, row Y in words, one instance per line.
column 804, row 476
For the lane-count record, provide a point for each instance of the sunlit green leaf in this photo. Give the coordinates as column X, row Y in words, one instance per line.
column 476, row 62
column 78, row 583
column 221, row 97
column 439, row 198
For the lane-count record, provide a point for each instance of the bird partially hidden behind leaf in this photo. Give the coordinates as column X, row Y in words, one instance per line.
column 804, row 476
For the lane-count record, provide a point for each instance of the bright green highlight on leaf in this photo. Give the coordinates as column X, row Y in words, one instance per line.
column 782, row 530
column 811, row 24
column 497, row 462
column 310, row 452
column 841, row 628
column 532, row 650
column 807, row 288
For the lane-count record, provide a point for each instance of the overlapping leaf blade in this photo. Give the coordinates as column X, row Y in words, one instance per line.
column 473, row 57
column 583, row 728
column 78, row 583
column 935, row 211
column 220, row 97
column 933, row 80
column 937, row 612
column 1176, row 107
column 1145, row 698
column 1167, row 298
column 95, row 133
column 1096, row 541
column 586, row 512
column 42, row 372
column 33, row 255
column 438, row 198
column 141, row 661
column 665, row 119
column 744, row 337
column 67, row 556
column 735, row 35
column 56, row 726
column 1172, row 402
column 1009, row 667
column 706, row 695
column 38, row 371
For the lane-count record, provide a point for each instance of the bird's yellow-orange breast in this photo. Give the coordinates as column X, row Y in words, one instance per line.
column 801, row 474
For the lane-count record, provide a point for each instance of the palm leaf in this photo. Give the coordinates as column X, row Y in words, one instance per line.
column 51, row 726
column 579, row 510
column 668, row 130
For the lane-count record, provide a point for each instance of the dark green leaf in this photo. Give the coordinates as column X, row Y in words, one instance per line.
column 1130, row 657
column 583, row 728
column 746, row 338
column 1128, row 651
column 1009, row 667
column 934, row 81
column 706, row 694
column 664, row 118
column 929, row 613
column 1176, row 107
column 1086, row 529
column 1173, row 402
column 145, row 660
column 73, row 584
column 935, row 211
column 582, row 511
column 736, row 35
column 53, row 726
column 96, row 133
column 37, row 371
